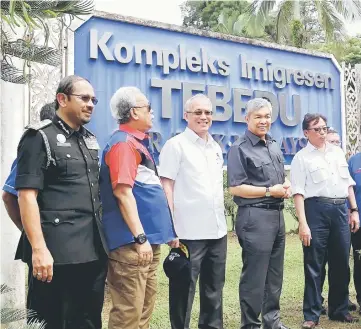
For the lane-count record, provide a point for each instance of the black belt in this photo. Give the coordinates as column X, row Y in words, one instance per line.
column 272, row 206
column 329, row 200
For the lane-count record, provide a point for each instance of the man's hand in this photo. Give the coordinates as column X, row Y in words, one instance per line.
column 304, row 233
column 354, row 221
column 145, row 253
column 277, row 191
column 42, row 264
column 174, row 243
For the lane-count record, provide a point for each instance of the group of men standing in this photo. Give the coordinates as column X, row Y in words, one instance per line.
column 81, row 225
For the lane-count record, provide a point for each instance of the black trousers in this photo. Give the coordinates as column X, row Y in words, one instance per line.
column 261, row 234
column 208, row 261
column 330, row 237
column 74, row 298
column 356, row 246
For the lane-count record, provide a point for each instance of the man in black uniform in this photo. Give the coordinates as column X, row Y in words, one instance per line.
column 256, row 179
column 57, row 182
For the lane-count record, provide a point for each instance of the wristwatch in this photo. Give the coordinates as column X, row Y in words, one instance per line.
column 353, row 210
column 268, row 193
column 140, row 239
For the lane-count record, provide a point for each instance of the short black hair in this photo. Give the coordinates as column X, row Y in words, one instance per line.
column 310, row 117
column 47, row 111
column 66, row 86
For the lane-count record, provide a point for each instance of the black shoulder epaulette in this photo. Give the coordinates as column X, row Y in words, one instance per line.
column 39, row 125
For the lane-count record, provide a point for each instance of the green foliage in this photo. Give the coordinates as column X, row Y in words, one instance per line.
column 229, row 205
column 348, row 51
column 31, row 15
column 297, row 33
column 205, row 14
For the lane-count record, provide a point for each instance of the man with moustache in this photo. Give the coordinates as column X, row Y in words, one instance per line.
column 136, row 215
column 57, row 184
column 191, row 167
column 321, row 183
column 257, row 180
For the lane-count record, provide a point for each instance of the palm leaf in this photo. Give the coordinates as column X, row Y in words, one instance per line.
column 31, row 52
column 283, row 19
column 330, row 19
column 30, row 325
column 349, row 9
column 11, row 74
column 5, row 288
column 10, row 314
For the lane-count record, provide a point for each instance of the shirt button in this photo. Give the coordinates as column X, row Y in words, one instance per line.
column 92, row 184
column 80, row 143
column 56, row 220
column 85, row 156
column 88, row 170
column 94, row 199
column 68, row 156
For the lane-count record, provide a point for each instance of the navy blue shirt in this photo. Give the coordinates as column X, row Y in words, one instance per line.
column 9, row 185
column 354, row 166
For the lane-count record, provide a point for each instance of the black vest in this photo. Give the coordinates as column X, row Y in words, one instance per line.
column 69, row 203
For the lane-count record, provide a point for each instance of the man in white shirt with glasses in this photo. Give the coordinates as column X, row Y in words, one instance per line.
column 191, row 167
column 321, row 183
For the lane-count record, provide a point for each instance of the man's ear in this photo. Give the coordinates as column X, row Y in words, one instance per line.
column 133, row 114
column 185, row 116
column 61, row 98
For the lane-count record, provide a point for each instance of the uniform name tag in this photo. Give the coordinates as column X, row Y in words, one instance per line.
column 91, row 143
column 63, row 144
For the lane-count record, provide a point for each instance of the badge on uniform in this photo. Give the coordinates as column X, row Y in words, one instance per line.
column 62, row 141
column 91, row 143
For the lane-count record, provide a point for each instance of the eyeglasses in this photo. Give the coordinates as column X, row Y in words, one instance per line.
column 335, row 142
column 149, row 107
column 199, row 113
column 319, row 129
column 86, row 98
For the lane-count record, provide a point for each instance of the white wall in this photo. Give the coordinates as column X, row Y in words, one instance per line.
column 11, row 128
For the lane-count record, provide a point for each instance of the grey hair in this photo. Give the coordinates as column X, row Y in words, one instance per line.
column 256, row 104
column 123, row 100
column 190, row 101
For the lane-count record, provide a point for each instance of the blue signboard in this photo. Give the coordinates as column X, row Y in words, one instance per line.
column 169, row 66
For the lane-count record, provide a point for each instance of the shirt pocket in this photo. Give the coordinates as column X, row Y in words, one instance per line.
column 69, row 165
column 343, row 170
column 318, row 173
column 262, row 168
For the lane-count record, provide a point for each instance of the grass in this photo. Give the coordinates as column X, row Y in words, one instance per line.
column 291, row 300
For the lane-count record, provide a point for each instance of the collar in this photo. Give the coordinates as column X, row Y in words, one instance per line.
column 193, row 137
column 68, row 131
column 134, row 132
column 255, row 139
column 310, row 148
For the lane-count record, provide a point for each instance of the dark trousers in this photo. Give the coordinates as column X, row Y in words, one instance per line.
column 208, row 261
column 261, row 234
column 330, row 237
column 356, row 246
column 74, row 298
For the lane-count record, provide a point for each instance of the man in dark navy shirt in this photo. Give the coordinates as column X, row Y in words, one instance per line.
column 57, row 181
column 256, row 179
